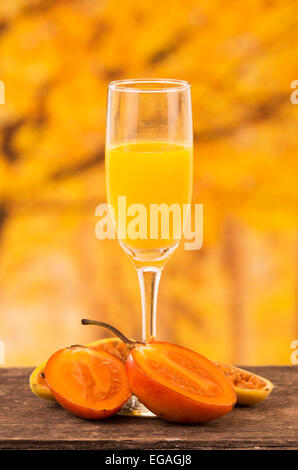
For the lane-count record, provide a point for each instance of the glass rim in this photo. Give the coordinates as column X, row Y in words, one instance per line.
column 173, row 85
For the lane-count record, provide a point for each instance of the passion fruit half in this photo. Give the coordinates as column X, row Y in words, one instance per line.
column 250, row 388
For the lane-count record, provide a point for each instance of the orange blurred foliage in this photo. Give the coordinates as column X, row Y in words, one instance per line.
column 235, row 300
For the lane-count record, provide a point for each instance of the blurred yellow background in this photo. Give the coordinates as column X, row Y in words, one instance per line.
column 235, row 300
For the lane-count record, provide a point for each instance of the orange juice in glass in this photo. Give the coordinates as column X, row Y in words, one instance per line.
column 149, row 141
column 149, row 173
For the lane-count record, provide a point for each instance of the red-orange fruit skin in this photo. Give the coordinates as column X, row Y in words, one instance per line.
column 168, row 404
column 83, row 412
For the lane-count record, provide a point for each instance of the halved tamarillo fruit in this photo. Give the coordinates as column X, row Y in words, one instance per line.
column 250, row 388
column 178, row 384
column 91, row 384
column 175, row 383
column 114, row 346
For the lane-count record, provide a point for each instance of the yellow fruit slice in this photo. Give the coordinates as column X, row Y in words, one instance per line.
column 38, row 385
column 112, row 345
column 250, row 388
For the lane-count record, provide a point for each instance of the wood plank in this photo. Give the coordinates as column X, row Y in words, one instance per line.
column 27, row 422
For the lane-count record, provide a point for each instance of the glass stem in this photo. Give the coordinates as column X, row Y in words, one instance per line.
column 149, row 278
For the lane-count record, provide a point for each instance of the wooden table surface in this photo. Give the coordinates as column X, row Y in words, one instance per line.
column 27, row 422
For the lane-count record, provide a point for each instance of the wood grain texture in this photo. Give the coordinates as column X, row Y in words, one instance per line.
column 27, row 422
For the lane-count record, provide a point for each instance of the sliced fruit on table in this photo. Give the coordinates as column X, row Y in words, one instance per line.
column 111, row 345
column 175, row 383
column 38, row 383
column 250, row 388
column 178, row 384
column 90, row 383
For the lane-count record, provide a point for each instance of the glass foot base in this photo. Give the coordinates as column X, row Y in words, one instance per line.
column 135, row 408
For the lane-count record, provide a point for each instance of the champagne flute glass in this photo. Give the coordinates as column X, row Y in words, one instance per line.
column 149, row 152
